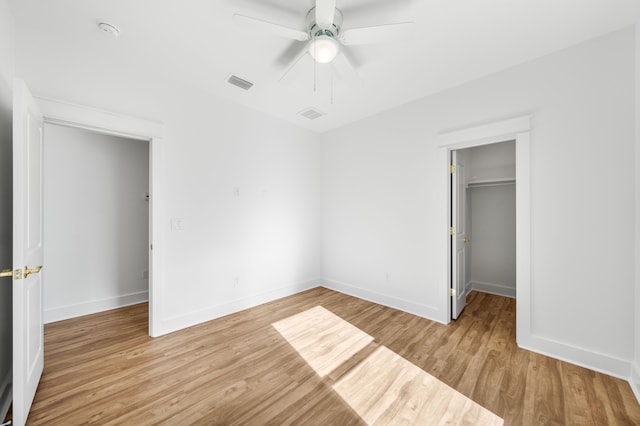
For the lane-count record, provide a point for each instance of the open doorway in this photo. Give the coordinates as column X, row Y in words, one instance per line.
column 518, row 129
column 96, row 221
column 483, row 222
column 137, row 129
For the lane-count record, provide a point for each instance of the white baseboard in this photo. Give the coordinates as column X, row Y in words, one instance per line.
column 498, row 289
column 425, row 311
column 602, row 363
column 94, row 306
column 6, row 395
column 468, row 287
column 179, row 322
column 575, row 355
column 634, row 381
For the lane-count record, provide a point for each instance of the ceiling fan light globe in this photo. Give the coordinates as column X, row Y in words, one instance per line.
column 324, row 49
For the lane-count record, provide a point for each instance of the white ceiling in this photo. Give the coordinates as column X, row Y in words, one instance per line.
column 197, row 44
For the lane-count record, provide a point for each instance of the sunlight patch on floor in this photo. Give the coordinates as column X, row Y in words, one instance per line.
column 387, row 389
column 323, row 339
column 383, row 388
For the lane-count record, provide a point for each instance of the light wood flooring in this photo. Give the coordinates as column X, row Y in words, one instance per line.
column 256, row 367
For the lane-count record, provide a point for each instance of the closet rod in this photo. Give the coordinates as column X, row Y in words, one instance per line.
column 496, row 182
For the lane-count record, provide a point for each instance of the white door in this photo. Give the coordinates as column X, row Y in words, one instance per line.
column 458, row 236
column 28, row 330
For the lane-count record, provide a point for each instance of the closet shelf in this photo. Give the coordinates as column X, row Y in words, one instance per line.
column 491, row 182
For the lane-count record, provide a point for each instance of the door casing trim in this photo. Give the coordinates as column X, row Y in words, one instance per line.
column 88, row 118
column 518, row 129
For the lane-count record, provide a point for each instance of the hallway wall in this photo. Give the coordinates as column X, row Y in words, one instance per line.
column 96, row 222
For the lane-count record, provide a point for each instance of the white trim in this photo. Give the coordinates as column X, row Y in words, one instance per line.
column 497, row 289
column 595, row 361
column 635, row 371
column 484, row 134
column 517, row 129
column 523, row 238
column 634, row 381
column 156, row 234
column 468, row 288
column 6, row 394
column 189, row 319
column 87, row 308
column 59, row 112
column 424, row 311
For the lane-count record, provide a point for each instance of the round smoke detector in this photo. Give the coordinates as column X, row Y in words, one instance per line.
column 109, row 29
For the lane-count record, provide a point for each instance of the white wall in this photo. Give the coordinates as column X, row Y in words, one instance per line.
column 96, row 221
column 6, row 96
column 267, row 236
column 385, row 194
column 247, row 187
column 492, row 244
column 493, row 161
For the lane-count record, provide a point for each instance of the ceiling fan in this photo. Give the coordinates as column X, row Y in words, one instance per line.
column 326, row 37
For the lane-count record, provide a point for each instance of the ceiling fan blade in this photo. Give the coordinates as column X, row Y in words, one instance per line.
column 262, row 25
column 325, row 11
column 377, row 34
column 291, row 74
column 345, row 69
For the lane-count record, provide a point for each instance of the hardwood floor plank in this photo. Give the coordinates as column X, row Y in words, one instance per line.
column 236, row 370
column 512, row 393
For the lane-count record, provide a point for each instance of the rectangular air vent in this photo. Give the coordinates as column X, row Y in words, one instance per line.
column 240, row 82
column 311, row 113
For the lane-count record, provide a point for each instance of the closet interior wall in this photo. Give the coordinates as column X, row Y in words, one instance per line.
column 491, row 218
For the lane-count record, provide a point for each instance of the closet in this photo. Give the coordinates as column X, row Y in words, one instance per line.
column 490, row 216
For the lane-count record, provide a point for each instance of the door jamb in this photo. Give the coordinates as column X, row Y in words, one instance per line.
column 78, row 116
column 517, row 129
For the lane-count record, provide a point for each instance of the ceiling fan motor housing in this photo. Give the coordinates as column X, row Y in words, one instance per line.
column 315, row 30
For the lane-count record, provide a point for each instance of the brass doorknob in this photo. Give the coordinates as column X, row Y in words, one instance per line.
column 465, row 240
column 6, row 273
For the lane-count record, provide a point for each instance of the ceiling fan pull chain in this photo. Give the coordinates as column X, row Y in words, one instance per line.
column 331, row 85
column 315, row 65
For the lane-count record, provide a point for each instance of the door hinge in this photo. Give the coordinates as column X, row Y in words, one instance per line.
column 452, row 168
column 452, row 231
column 452, row 291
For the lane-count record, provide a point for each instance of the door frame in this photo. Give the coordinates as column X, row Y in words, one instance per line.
column 518, row 129
column 78, row 116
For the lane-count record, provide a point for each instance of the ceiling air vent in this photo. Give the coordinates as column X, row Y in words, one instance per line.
column 311, row 113
column 240, row 82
